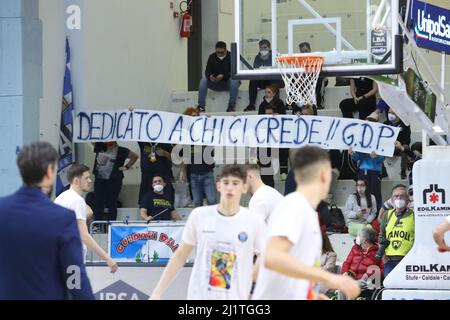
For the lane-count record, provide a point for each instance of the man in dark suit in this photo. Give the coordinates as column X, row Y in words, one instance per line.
column 39, row 240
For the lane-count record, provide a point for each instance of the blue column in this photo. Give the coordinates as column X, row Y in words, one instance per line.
column 20, row 84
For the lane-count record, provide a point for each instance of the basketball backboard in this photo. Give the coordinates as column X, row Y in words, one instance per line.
column 356, row 37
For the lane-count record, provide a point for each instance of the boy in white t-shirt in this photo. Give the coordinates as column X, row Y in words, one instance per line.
column 226, row 237
column 290, row 265
column 264, row 198
column 79, row 179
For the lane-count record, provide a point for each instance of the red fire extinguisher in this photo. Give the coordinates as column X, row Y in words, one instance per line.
column 186, row 23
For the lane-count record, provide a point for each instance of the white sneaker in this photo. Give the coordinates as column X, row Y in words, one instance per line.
column 374, row 116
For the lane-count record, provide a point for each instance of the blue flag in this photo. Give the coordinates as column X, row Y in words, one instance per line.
column 66, row 128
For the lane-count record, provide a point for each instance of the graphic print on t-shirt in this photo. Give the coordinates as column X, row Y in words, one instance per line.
column 105, row 164
column 313, row 290
column 222, row 267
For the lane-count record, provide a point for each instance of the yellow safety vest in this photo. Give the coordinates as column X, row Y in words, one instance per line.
column 400, row 234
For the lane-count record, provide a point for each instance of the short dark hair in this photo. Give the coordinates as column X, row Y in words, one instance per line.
column 159, row 176
column 76, row 171
column 307, row 157
column 221, row 45
column 33, row 161
column 264, row 42
column 304, row 44
column 234, row 170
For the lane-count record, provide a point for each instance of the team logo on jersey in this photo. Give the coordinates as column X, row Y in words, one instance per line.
column 242, row 236
column 396, row 244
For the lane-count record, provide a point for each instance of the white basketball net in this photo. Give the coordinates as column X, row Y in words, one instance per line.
column 300, row 75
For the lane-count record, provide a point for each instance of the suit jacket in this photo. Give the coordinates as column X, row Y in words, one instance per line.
column 41, row 253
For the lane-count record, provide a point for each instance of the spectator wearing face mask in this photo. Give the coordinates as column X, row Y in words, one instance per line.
column 360, row 208
column 403, row 139
column 199, row 170
column 397, row 230
column 262, row 60
column 157, row 204
column 362, row 263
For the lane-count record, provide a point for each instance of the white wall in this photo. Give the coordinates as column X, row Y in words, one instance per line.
column 51, row 13
column 131, row 55
column 134, row 56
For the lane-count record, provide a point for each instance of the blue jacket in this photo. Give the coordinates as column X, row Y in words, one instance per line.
column 367, row 163
column 39, row 241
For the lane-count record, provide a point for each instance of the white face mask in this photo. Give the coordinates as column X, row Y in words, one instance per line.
column 158, row 188
column 358, row 240
column 264, row 53
column 392, row 117
column 399, row 203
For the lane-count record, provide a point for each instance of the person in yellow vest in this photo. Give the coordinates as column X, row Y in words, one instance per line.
column 397, row 230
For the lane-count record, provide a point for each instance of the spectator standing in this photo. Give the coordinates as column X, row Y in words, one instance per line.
column 397, row 231
column 199, row 170
column 109, row 168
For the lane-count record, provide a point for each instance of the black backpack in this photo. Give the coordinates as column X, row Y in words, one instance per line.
column 336, row 220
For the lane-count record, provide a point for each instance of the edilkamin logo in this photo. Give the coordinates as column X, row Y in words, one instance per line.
column 433, row 194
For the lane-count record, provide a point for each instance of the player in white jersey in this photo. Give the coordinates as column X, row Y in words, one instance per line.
column 226, row 237
column 264, row 198
column 290, row 267
column 79, row 179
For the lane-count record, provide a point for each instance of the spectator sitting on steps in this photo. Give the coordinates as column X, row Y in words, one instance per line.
column 218, row 78
column 360, row 208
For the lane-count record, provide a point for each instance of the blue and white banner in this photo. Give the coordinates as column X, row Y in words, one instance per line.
column 431, row 25
column 142, row 243
column 281, row 131
column 65, row 149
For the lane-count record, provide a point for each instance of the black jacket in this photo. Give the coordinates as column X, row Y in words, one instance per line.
column 260, row 62
column 215, row 66
column 280, row 108
column 404, row 136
